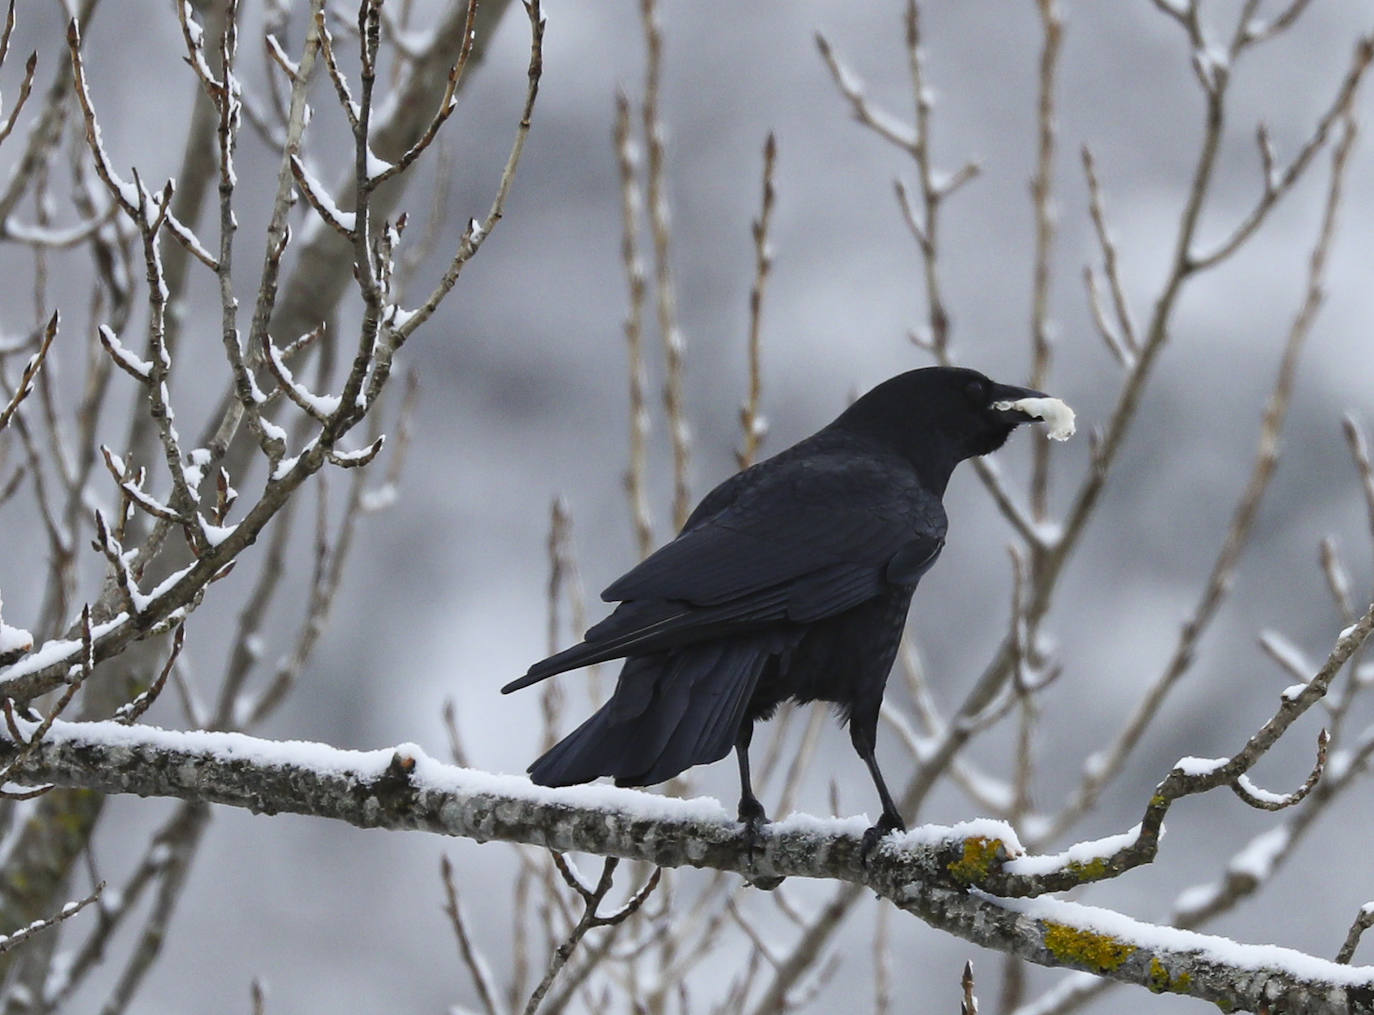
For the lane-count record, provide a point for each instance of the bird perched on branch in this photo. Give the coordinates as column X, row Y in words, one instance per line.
column 790, row 580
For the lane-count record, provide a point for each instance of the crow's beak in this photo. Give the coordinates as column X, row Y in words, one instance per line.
column 1006, row 393
column 1014, row 406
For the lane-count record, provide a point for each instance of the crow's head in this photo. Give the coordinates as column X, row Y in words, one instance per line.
column 938, row 416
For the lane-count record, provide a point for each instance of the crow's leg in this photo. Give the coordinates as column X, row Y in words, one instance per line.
column 751, row 812
column 863, row 733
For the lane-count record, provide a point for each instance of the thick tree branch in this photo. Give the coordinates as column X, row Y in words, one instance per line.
column 931, row 872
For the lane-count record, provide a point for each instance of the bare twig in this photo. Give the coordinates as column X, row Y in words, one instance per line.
column 447, row 104
column 849, row 86
column 934, row 188
column 31, row 368
column 278, row 232
column 477, row 968
column 1359, row 452
column 179, row 834
column 1337, row 579
column 476, row 232
column 131, row 198
column 1277, row 184
column 631, row 210
column 1242, row 520
column 1245, row 873
column 29, row 743
column 149, row 945
column 1363, row 921
column 562, row 575
column 1120, row 336
column 665, row 295
column 1265, row 801
column 882, row 962
column 18, row 937
column 25, row 87
column 1043, row 202
column 591, row 900
column 134, row 710
column 752, row 423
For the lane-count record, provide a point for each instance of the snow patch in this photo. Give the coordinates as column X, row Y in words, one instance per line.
column 126, row 359
column 1196, row 898
column 1263, row 795
column 273, row 431
column 382, row 497
column 1257, row 859
column 983, row 828
column 1207, row 947
column 1195, row 767
column 14, row 641
column 215, row 534
column 1080, row 853
column 376, row 165
column 60, row 650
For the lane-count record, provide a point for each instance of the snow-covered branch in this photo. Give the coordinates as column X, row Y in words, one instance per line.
column 932, row 872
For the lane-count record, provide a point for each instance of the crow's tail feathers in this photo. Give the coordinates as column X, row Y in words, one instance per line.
column 670, row 711
column 569, row 659
column 632, row 626
column 656, row 627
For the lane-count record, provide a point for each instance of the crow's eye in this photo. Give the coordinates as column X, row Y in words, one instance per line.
column 977, row 393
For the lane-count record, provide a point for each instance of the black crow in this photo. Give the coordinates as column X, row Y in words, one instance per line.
column 790, row 580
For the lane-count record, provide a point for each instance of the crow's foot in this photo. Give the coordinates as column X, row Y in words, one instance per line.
column 751, row 812
column 886, row 824
column 754, row 817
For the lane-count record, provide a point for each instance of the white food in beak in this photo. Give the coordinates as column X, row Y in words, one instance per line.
column 1056, row 414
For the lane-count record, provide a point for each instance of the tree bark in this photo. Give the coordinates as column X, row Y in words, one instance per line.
column 933, row 872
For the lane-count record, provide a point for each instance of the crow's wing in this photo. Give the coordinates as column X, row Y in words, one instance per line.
column 805, row 536
column 793, row 540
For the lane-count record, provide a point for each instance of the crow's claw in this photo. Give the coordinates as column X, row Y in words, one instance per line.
column 753, row 817
column 886, row 824
column 751, row 812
